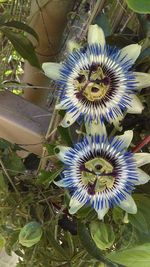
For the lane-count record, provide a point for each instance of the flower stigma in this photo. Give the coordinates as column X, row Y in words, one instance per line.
column 97, row 174
column 92, row 84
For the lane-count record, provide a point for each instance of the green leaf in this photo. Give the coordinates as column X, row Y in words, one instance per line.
column 144, row 56
column 134, row 257
column 11, row 241
column 139, row 6
column 22, row 45
column 89, row 244
column 4, row 144
column 39, row 212
column 138, row 221
column 118, row 40
column 2, row 241
column 50, row 148
column 142, row 237
column 118, row 215
column 126, row 236
column 69, row 239
column 102, row 234
column 64, row 132
column 103, row 22
column 14, row 163
column 3, row 185
column 22, row 26
column 47, row 177
column 56, row 245
column 86, row 212
column 143, row 206
column 30, row 234
column 145, row 25
column 3, row 18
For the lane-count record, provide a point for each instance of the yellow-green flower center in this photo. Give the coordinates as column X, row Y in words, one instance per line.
column 92, row 84
column 98, row 174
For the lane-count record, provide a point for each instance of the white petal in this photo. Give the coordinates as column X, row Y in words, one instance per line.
column 126, row 138
column 142, row 158
column 128, row 205
column 60, row 106
column 61, row 151
column 69, row 119
column 96, row 35
column 93, row 128
column 72, row 46
column 52, row 70
column 59, row 183
column 143, row 177
column 131, row 52
column 75, row 205
column 101, row 213
column 136, row 106
column 142, row 79
column 116, row 122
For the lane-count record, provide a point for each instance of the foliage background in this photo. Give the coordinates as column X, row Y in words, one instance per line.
column 27, row 191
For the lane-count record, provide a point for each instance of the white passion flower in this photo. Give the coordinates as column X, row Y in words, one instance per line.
column 96, row 82
column 102, row 173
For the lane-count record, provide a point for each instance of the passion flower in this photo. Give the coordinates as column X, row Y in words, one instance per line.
column 102, row 173
column 96, row 82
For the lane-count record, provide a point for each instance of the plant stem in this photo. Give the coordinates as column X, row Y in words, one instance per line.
column 145, row 141
column 97, row 8
column 7, row 175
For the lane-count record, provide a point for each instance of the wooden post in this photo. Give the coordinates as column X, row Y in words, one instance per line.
column 48, row 20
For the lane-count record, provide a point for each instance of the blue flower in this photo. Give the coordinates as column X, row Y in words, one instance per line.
column 102, row 173
column 96, row 82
